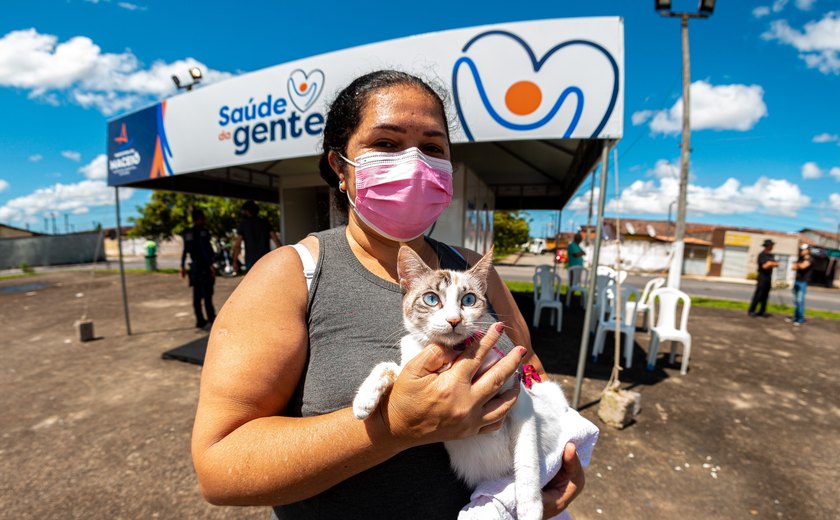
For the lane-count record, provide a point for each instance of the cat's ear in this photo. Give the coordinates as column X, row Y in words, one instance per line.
column 410, row 267
column 481, row 269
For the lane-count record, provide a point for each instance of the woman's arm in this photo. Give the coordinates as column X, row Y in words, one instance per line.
column 245, row 453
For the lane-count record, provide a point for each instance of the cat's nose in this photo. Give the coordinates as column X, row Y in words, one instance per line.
column 454, row 322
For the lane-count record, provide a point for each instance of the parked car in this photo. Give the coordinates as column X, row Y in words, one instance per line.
column 561, row 255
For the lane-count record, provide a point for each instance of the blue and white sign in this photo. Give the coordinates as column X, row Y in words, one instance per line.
column 544, row 79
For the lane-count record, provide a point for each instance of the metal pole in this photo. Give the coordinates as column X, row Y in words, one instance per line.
column 675, row 271
column 122, row 267
column 590, row 296
column 591, row 201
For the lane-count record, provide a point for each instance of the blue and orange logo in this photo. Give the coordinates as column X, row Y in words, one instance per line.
column 122, row 139
column 526, row 100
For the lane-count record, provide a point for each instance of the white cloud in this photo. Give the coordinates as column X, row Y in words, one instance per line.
column 810, row 170
column 3, row 185
column 818, row 43
column 834, row 201
column 721, row 107
column 641, row 117
column 72, row 155
column 826, row 138
column 804, row 5
column 77, row 70
column 835, row 172
column 131, row 7
column 581, row 204
column 778, row 5
column 36, row 157
column 60, row 198
column 96, row 169
column 761, row 11
column 768, row 196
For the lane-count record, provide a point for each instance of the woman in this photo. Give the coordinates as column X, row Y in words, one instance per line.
column 273, row 424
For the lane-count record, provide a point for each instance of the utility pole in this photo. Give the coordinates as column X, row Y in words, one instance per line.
column 706, row 9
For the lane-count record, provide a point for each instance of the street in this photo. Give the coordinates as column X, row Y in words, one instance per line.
column 818, row 298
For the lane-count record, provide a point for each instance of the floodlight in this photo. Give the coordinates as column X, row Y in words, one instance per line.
column 176, row 81
column 195, row 72
column 707, row 7
column 663, row 5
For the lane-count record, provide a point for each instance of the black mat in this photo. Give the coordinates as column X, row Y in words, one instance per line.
column 192, row 352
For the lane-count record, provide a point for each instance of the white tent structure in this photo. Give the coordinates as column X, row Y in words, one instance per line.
column 534, row 105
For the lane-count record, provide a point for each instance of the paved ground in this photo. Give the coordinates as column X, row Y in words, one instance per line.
column 101, row 429
column 521, row 267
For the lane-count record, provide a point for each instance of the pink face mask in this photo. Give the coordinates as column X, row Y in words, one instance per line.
column 399, row 195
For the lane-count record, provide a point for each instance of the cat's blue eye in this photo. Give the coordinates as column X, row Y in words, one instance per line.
column 468, row 300
column 431, row 298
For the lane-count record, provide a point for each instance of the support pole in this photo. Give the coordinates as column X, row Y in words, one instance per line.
column 675, row 271
column 122, row 266
column 593, row 274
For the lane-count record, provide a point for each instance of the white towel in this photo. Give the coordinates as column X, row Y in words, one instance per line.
column 496, row 500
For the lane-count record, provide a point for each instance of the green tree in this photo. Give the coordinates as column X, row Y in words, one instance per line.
column 510, row 231
column 168, row 214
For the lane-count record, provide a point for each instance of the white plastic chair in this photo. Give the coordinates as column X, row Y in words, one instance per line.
column 662, row 322
column 578, row 281
column 547, row 295
column 643, row 304
column 538, row 271
column 609, row 271
column 603, row 282
column 607, row 321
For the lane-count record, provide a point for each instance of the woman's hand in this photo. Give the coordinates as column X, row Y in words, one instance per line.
column 565, row 486
column 425, row 406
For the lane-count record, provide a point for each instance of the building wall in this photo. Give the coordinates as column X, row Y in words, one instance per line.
column 468, row 221
column 740, row 250
column 77, row 248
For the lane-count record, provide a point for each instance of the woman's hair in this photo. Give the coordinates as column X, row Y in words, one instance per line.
column 345, row 114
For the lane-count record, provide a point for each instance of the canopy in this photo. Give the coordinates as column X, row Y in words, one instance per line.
column 532, row 105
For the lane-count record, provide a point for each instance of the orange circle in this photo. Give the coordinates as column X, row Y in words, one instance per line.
column 523, row 97
column 303, row 87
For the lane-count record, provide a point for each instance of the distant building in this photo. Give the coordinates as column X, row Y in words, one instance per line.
column 735, row 253
column 7, row 231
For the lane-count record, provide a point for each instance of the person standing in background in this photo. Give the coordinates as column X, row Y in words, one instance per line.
column 576, row 253
column 766, row 264
column 256, row 232
column 803, row 267
column 202, row 272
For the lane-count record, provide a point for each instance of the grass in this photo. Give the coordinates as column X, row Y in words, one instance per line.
column 700, row 301
column 18, row 275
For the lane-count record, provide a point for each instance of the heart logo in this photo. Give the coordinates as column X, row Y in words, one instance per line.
column 524, row 97
column 304, row 88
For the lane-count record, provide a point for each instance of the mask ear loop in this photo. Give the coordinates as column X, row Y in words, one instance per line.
column 344, row 184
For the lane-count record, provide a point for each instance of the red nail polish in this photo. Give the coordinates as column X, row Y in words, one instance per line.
column 500, row 327
column 523, row 351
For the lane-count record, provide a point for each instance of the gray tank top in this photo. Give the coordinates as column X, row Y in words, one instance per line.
column 355, row 321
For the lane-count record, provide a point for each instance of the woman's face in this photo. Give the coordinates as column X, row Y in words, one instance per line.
column 395, row 119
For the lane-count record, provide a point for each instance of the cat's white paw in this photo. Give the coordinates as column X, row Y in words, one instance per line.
column 380, row 380
column 528, row 510
column 363, row 406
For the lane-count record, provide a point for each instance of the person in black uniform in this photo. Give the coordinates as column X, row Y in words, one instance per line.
column 766, row 264
column 202, row 271
column 255, row 231
column 803, row 267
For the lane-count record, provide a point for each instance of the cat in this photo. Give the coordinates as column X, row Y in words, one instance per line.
column 447, row 307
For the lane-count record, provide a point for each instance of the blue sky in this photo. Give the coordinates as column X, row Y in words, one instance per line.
column 765, row 85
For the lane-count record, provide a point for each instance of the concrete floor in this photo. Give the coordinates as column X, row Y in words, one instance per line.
column 101, row 429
